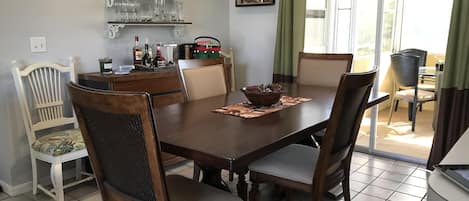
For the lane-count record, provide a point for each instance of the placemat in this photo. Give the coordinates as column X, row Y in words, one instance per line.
column 248, row 111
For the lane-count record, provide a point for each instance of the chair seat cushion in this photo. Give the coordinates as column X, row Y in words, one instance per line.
column 427, row 87
column 294, row 162
column 408, row 95
column 59, row 143
column 184, row 189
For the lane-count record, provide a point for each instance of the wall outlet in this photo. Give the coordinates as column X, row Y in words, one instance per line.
column 38, row 44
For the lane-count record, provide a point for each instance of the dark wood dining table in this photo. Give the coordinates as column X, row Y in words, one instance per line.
column 222, row 142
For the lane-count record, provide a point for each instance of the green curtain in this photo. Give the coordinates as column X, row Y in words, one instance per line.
column 290, row 38
column 453, row 114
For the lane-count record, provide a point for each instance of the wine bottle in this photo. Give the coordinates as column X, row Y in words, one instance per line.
column 137, row 52
column 146, row 60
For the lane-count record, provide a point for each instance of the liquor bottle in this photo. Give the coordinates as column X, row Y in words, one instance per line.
column 137, row 52
column 146, row 59
column 159, row 60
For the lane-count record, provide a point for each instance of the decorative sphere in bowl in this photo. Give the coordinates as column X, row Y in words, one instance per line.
column 263, row 95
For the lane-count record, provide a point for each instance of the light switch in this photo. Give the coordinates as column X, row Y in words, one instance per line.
column 38, row 44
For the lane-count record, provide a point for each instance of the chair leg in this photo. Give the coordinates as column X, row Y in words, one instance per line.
column 254, row 193
column 396, row 106
column 78, row 167
column 196, row 174
column 57, row 181
column 346, row 187
column 34, row 169
column 393, row 102
column 421, row 107
column 414, row 114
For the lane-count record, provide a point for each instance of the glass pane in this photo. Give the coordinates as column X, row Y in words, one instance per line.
column 363, row 60
column 343, row 31
column 345, row 4
column 428, row 28
column 316, row 4
column 365, row 37
column 315, row 35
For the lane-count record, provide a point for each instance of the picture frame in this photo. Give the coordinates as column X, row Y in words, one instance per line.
column 243, row 3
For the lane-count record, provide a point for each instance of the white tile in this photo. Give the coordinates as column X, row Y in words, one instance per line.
column 387, row 184
column 416, row 182
column 377, row 192
column 412, row 190
column 363, row 197
column 364, row 178
column 393, row 176
column 403, row 197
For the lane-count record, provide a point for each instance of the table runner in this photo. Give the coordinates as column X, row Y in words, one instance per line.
column 247, row 111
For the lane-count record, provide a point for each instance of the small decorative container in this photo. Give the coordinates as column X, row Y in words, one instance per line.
column 105, row 66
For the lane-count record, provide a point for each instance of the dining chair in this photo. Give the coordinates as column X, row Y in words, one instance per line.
column 43, row 99
column 405, row 69
column 120, row 132
column 316, row 170
column 322, row 69
column 204, row 78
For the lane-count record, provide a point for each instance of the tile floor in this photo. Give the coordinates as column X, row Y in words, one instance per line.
column 373, row 178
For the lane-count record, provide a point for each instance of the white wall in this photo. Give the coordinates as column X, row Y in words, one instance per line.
column 77, row 28
column 74, row 28
column 252, row 35
column 71, row 28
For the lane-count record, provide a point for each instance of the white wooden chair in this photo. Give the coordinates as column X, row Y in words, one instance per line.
column 40, row 88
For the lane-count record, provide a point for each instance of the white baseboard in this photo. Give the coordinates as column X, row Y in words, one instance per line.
column 28, row 186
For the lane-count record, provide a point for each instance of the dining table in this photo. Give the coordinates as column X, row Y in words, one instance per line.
column 219, row 142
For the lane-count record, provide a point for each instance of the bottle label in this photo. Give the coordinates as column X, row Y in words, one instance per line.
column 108, row 66
column 138, row 55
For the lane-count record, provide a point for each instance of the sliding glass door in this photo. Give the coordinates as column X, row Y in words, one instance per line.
column 373, row 30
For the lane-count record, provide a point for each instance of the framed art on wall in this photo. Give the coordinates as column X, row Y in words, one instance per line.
column 254, row 2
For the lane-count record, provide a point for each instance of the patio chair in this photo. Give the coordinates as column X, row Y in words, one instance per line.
column 405, row 77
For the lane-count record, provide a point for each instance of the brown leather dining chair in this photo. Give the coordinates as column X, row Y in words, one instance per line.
column 316, row 170
column 204, row 78
column 322, row 69
column 120, row 133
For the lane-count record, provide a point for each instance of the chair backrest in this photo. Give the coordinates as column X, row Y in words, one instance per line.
column 41, row 95
column 120, row 135
column 204, row 78
column 322, row 69
column 422, row 54
column 342, row 129
column 405, row 69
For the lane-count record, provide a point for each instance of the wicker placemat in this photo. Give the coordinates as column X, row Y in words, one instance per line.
column 248, row 111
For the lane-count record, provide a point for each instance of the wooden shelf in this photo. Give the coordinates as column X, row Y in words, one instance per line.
column 115, row 26
column 150, row 23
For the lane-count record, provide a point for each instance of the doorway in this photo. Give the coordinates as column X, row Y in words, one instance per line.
column 373, row 30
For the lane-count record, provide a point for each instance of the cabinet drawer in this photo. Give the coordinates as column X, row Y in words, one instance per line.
column 152, row 86
column 168, row 99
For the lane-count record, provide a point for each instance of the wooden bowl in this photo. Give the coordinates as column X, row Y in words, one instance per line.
column 262, row 98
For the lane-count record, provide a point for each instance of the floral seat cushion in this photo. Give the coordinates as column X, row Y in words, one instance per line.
column 59, row 143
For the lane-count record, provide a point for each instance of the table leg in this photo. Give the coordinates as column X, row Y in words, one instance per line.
column 212, row 177
column 242, row 186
